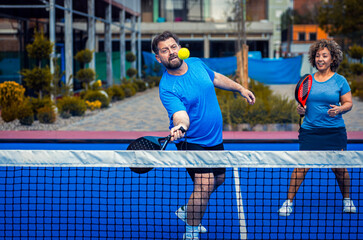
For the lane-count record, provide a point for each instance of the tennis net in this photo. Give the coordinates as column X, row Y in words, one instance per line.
column 58, row 194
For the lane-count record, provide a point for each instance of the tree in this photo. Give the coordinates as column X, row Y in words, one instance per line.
column 38, row 78
column 41, row 48
column 343, row 19
column 85, row 75
column 131, row 57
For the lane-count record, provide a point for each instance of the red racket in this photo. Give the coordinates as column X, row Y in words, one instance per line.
column 302, row 90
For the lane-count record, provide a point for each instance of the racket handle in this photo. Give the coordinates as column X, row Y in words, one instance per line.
column 167, row 139
column 182, row 129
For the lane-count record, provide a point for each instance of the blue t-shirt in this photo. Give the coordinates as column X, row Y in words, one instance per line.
column 321, row 96
column 194, row 93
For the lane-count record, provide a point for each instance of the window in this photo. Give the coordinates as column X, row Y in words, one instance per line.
column 301, row 36
column 312, row 36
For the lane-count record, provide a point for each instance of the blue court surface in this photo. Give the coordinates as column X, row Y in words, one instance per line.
column 115, row 203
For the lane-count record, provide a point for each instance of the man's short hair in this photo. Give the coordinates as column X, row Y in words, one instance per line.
column 163, row 37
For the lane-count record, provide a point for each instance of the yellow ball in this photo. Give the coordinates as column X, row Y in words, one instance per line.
column 183, row 53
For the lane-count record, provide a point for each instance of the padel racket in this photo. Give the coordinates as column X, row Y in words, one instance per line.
column 302, row 90
column 149, row 143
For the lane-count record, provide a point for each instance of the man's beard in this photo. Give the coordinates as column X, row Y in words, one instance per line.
column 172, row 65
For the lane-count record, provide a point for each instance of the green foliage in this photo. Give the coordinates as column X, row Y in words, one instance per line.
column 342, row 18
column 131, row 72
column 353, row 72
column 101, row 96
column 38, row 103
column 344, row 68
column 141, row 85
column 9, row 113
column 25, row 113
column 11, row 93
column 356, row 85
column 356, row 52
column 37, row 79
column 153, row 81
column 130, row 57
column 96, row 85
column 356, row 68
column 134, row 85
column 268, row 109
column 46, row 114
column 115, row 93
column 86, row 75
column 84, row 56
column 41, row 48
column 71, row 106
column 58, row 87
column 128, row 89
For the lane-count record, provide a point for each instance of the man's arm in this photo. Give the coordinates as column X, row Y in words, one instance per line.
column 223, row 82
column 180, row 119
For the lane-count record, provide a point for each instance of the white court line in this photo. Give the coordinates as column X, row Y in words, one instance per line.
column 241, row 214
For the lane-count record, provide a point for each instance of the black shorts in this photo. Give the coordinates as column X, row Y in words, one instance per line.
column 323, row 139
column 197, row 147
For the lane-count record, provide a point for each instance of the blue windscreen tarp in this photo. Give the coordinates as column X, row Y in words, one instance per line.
column 275, row 71
column 265, row 70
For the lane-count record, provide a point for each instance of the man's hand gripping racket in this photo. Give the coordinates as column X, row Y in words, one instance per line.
column 150, row 143
column 302, row 91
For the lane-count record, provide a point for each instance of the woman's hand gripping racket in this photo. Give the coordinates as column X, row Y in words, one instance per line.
column 302, row 91
column 149, row 143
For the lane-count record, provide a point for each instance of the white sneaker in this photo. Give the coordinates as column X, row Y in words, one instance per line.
column 191, row 236
column 286, row 209
column 182, row 214
column 349, row 206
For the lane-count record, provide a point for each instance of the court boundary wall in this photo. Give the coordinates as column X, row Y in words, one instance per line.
column 126, row 137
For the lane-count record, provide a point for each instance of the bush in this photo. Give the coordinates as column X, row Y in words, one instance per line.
column 11, row 93
column 356, row 84
column 37, row 79
column 131, row 72
column 356, row 51
column 128, row 89
column 38, row 103
column 130, row 57
column 141, row 85
column 115, row 93
column 9, row 113
column 41, row 47
column 153, row 81
column 26, row 114
column 92, row 96
column 84, row 56
column 356, row 68
column 46, row 115
column 268, row 109
column 96, row 85
column 71, row 106
column 86, row 75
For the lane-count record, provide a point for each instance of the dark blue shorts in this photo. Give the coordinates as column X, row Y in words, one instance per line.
column 323, row 139
column 197, row 147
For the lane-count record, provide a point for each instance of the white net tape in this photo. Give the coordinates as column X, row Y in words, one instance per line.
column 190, row 159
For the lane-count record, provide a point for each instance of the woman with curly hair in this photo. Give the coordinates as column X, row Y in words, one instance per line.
column 323, row 127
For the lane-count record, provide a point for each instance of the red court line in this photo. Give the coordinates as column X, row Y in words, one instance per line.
column 115, row 135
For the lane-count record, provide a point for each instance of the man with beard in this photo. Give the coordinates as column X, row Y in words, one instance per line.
column 187, row 92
